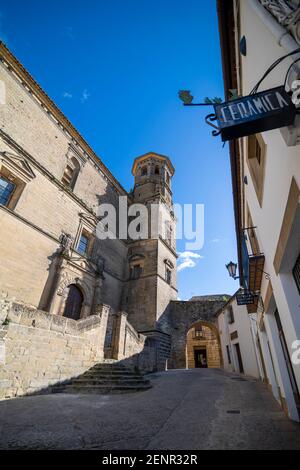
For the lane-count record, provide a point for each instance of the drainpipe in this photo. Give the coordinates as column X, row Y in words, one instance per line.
column 282, row 36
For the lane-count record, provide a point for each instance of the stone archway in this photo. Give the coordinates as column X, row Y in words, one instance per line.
column 180, row 317
column 203, row 348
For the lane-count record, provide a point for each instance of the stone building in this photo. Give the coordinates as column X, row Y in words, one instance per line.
column 69, row 298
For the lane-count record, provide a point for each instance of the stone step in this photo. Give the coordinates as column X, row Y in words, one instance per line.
column 105, row 378
column 110, row 376
column 105, row 389
column 112, row 380
column 111, row 371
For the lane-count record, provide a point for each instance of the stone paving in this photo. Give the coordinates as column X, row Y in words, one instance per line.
column 185, row 410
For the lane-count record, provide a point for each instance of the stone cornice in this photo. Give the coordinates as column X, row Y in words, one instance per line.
column 26, row 80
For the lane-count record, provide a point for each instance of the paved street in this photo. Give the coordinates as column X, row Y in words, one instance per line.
column 194, row 409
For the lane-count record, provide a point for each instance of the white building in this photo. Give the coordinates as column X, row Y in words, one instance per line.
column 237, row 339
column 266, row 186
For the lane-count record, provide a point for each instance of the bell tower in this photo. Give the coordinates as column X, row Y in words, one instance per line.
column 151, row 281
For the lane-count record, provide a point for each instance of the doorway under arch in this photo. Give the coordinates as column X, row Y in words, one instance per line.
column 74, row 303
column 203, row 347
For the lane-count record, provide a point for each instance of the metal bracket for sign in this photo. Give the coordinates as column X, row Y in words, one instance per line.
column 209, row 120
column 267, row 275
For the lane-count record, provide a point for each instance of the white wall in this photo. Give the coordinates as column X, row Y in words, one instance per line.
column 242, row 325
column 282, row 164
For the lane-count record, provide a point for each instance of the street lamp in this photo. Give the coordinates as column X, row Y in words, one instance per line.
column 231, row 268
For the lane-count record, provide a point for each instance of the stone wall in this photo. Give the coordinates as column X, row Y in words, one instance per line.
column 38, row 349
column 147, row 351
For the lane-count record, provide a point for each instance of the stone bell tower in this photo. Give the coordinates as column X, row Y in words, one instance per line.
column 151, row 282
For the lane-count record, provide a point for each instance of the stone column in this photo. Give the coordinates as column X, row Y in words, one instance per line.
column 119, row 336
column 57, row 302
column 97, row 294
column 103, row 311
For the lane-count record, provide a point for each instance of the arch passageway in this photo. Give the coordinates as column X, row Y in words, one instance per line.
column 203, row 346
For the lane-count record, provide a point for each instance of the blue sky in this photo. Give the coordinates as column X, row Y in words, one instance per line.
column 114, row 68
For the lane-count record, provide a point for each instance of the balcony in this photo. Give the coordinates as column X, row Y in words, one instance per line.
column 253, row 264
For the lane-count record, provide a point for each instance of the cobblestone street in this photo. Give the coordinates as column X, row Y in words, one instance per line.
column 185, row 409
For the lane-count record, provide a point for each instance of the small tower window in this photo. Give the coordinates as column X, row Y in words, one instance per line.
column 144, row 171
column 136, row 271
column 168, row 275
column 168, row 178
column 156, row 170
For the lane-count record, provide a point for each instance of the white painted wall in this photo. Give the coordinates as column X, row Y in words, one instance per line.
column 282, row 164
column 242, row 325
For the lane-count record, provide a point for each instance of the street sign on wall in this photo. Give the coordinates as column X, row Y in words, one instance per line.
column 245, row 298
column 269, row 109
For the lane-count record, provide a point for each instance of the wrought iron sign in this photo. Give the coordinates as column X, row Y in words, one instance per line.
column 245, row 297
column 263, row 111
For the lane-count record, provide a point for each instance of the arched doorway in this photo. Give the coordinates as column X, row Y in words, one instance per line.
column 203, row 346
column 74, row 303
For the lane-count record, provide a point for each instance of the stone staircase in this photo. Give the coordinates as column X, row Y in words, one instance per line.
column 105, row 378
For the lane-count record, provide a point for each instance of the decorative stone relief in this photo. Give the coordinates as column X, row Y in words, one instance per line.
column 65, row 241
column 287, row 13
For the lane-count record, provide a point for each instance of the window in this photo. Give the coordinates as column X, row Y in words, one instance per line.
column 6, row 190
column 144, row 171
column 256, row 163
column 296, row 273
column 83, row 244
column 198, row 332
column 228, row 354
column 230, row 315
column 156, row 170
column 135, row 271
column 168, row 178
column 168, row 275
column 71, row 172
column 252, row 235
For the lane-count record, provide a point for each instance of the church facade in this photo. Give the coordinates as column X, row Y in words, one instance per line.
column 69, row 297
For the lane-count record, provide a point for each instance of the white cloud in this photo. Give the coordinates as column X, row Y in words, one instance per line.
column 187, row 260
column 66, row 94
column 85, row 95
column 69, row 32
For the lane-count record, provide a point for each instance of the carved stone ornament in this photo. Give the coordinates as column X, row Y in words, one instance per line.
column 65, row 280
column 65, row 241
column 287, row 13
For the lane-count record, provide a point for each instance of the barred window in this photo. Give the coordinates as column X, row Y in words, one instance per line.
column 230, row 315
column 296, row 273
column 168, row 275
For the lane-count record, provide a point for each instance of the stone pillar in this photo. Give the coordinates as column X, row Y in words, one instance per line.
column 57, row 302
column 97, row 294
column 119, row 336
column 103, row 311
